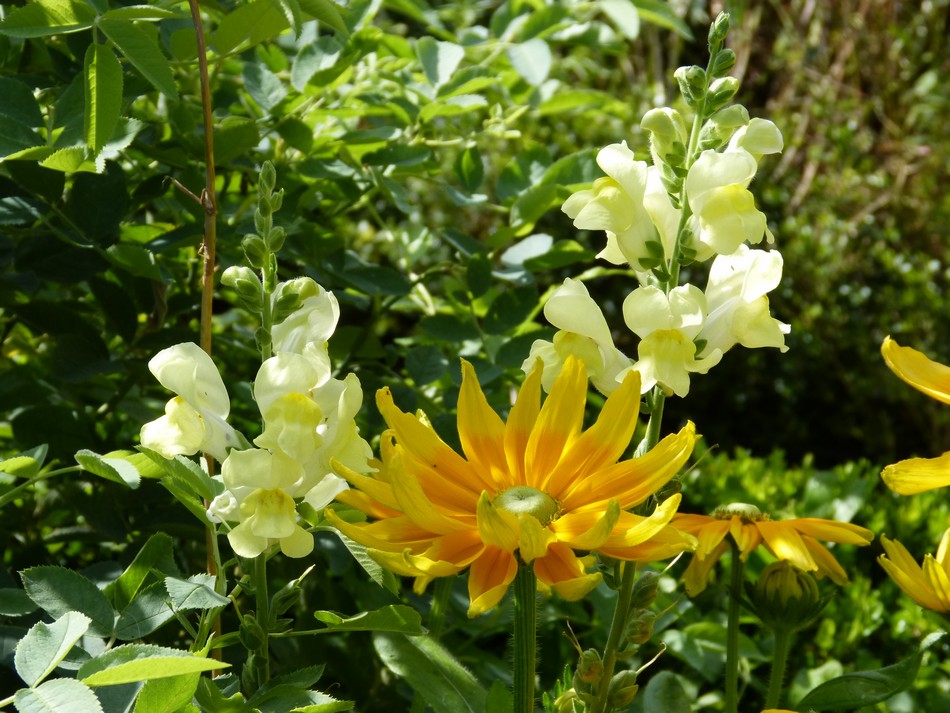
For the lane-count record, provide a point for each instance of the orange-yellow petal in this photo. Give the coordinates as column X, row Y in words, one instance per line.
column 558, row 423
column 481, row 431
column 587, row 530
column 420, row 508
column 498, row 528
column 631, row 482
column 393, row 534
column 746, row 535
column 365, row 504
column 533, row 538
column 924, row 374
column 909, row 576
column 696, row 575
column 786, row 543
column 632, row 530
column 460, row 548
column 833, row 531
column 917, row 475
column 521, row 421
column 489, row 578
column 564, row 572
column 667, row 543
column 827, row 564
column 601, row 444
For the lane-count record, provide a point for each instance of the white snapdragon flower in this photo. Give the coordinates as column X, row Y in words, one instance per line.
column 311, row 323
column 759, row 137
column 667, row 326
column 196, row 419
column 737, row 301
column 723, row 207
column 584, row 333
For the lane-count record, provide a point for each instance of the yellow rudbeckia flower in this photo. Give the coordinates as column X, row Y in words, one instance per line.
column 917, row 475
column 537, row 489
column 795, row 541
column 929, row 585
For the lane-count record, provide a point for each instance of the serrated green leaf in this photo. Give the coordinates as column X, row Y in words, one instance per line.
column 167, row 695
column 291, row 10
column 383, row 577
column 26, row 464
column 156, row 554
column 15, row 602
column 147, row 612
column 233, row 138
column 142, row 662
column 68, row 160
column 186, row 472
column 141, row 49
column 439, row 59
column 531, row 59
column 143, row 12
column 114, row 469
column 47, row 17
column 532, row 203
column 393, row 617
column 314, row 58
column 665, row 694
column 61, row 695
column 326, row 12
column 19, row 104
column 58, row 590
column 45, row 645
column 263, row 85
column 196, row 592
column 15, row 138
column 103, row 85
column 249, row 23
column 863, row 688
column 446, row 685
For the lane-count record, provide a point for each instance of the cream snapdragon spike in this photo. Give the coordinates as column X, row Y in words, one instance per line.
column 308, row 420
column 680, row 329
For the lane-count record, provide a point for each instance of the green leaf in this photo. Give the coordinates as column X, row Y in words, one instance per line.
column 532, row 204
column 313, row 58
column 561, row 254
column 141, row 49
column 147, row 612
column 114, row 469
column 383, row 577
column 142, row 12
column 439, row 59
column 291, row 10
column 252, row 23
column 58, row 590
column 26, row 464
column 68, row 160
column 531, row 59
column 15, row 602
column 665, row 694
column 452, row 106
column 263, row 85
column 863, row 688
column 142, row 662
column 398, row 155
column 326, row 12
column 45, row 645
column 448, row 327
column 234, row 137
column 661, row 13
column 500, row 699
column 196, row 592
column 509, row 309
column 624, row 15
column 18, row 103
column 393, row 617
column 426, row 364
column 47, row 17
column 103, row 85
column 167, row 695
column 136, row 260
column 470, row 169
column 432, row 672
column 187, row 473
column 16, row 138
column 61, row 695
column 156, row 554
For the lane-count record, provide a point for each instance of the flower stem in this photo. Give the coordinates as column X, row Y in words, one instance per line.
column 732, row 632
column 525, row 638
column 783, row 640
column 617, row 626
column 262, row 600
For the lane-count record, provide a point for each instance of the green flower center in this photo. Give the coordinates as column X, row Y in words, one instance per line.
column 744, row 511
column 525, row 499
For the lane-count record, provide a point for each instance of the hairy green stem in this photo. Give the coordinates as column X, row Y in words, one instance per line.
column 525, row 638
column 783, row 641
column 618, row 625
column 732, row 631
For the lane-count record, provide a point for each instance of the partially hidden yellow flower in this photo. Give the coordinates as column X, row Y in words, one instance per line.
column 537, row 490
column 929, row 585
column 917, row 475
column 795, row 541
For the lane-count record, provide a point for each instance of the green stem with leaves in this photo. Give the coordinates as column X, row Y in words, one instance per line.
column 525, row 638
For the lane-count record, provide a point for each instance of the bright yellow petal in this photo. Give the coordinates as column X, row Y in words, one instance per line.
column 833, row 531
column 924, row 374
column 827, row 564
column 632, row 530
column 393, row 534
column 459, row 548
column 498, row 528
column 533, row 538
column 377, row 489
column 558, row 423
column 708, row 531
column 903, row 560
column 489, row 578
column 414, row 502
column 603, row 443
column 521, row 421
column 453, row 497
column 918, row 475
column 667, row 543
column 424, row 443
column 746, row 535
column 696, row 576
column 587, row 530
column 365, row 504
column 631, row 482
column 564, row 572
column 481, row 431
column 939, row 581
column 908, row 575
column 785, row 543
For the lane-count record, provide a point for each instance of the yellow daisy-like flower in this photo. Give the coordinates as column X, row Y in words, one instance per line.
column 917, row 475
column 929, row 585
column 795, row 541
column 538, row 489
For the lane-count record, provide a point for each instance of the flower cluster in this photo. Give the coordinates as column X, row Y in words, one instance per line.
column 308, row 418
column 684, row 206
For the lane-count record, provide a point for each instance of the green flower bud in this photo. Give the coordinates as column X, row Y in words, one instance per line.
column 692, row 83
column 668, row 135
column 717, row 32
column 623, row 689
column 255, row 250
column 786, row 598
column 238, row 273
column 262, row 221
column 720, row 127
column 722, row 63
column 264, row 206
column 567, row 702
column 640, row 626
column 590, row 667
column 267, row 179
column 286, row 302
column 251, row 633
column 721, row 92
column 276, row 238
column 644, row 590
column 277, row 200
column 245, row 283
